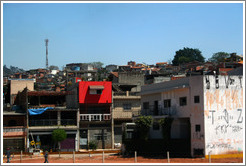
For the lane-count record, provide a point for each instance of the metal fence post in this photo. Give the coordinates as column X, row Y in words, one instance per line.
column 103, row 157
column 168, row 160
column 21, row 156
column 73, row 157
column 136, row 157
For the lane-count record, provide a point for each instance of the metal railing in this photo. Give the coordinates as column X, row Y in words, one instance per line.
column 159, row 111
column 65, row 122
column 50, row 122
column 126, row 93
column 14, row 129
column 95, row 117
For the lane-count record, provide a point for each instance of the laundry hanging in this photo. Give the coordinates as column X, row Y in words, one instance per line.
column 38, row 111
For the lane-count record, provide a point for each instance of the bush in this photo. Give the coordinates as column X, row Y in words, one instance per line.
column 143, row 124
column 92, row 145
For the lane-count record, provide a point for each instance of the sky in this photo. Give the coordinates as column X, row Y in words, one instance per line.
column 115, row 33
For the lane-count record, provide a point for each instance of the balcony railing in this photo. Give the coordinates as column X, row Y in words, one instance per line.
column 119, row 114
column 126, row 93
column 50, row 122
column 95, row 117
column 65, row 122
column 14, row 129
column 160, row 111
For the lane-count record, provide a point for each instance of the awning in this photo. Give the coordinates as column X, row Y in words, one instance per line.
column 97, row 87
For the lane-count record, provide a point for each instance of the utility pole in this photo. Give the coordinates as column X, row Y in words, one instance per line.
column 46, row 44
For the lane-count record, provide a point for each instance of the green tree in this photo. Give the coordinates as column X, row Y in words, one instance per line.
column 166, row 124
column 97, row 65
column 52, row 67
column 59, row 135
column 219, row 57
column 143, row 124
column 187, row 55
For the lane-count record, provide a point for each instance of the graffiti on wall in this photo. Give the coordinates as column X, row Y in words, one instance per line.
column 225, row 116
column 225, row 124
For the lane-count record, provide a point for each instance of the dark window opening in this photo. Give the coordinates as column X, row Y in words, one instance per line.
column 182, row 101
column 12, row 123
column 156, row 126
column 196, row 99
column 198, row 128
column 146, row 105
column 199, row 152
column 167, row 103
column 127, row 106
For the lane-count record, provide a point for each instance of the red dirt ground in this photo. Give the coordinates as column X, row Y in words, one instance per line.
column 118, row 159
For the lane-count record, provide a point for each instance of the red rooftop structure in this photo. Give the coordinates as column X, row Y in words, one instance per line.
column 95, row 92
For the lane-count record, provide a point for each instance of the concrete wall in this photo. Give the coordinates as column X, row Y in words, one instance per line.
column 93, row 132
column 223, row 114
column 131, row 78
column 72, row 98
column 19, row 85
column 119, row 112
column 196, row 114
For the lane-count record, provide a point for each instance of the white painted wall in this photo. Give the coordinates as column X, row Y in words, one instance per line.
column 223, row 110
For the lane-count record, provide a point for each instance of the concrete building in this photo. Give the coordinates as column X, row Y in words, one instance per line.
column 45, row 111
column 14, row 130
column 207, row 112
column 81, row 70
column 94, row 101
column 18, row 85
column 126, row 106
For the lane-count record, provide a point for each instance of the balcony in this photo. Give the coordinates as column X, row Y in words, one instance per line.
column 45, row 122
column 126, row 95
column 16, row 131
column 120, row 114
column 95, row 117
column 160, row 111
column 68, row 122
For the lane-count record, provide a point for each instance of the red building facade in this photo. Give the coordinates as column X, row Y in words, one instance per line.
column 95, row 92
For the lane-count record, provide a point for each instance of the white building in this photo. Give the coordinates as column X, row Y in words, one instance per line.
column 207, row 111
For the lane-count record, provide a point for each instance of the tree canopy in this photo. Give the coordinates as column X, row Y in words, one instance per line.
column 219, row 57
column 59, row 135
column 186, row 55
column 52, row 67
column 143, row 124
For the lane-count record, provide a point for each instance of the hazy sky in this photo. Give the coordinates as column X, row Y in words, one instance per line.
column 115, row 33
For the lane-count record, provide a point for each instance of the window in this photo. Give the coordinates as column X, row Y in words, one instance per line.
column 95, row 91
column 167, row 103
column 146, row 105
column 198, row 128
column 182, row 101
column 196, row 99
column 156, row 126
column 127, row 106
column 100, row 137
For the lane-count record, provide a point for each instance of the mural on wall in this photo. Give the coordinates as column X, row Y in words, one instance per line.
column 223, row 115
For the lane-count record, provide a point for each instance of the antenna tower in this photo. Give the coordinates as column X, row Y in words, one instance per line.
column 46, row 44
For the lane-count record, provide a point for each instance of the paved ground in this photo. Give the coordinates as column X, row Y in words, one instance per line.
column 113, row 158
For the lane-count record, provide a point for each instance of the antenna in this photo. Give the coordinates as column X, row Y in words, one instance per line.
column 46, row 44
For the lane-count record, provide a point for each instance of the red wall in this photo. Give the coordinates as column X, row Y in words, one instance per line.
column 86, row 98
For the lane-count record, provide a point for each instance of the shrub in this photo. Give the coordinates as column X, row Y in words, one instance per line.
column 92, row 145
column 143, row 124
